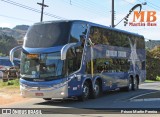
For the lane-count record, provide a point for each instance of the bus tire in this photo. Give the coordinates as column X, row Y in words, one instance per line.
column 47, row 99
column 96, row 90
column 85, row 92
column 135, row 85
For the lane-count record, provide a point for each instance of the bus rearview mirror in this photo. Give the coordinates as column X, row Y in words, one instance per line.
column 11, row 54
column 65, row 49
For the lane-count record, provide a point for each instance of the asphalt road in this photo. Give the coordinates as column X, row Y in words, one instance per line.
column 111, row 100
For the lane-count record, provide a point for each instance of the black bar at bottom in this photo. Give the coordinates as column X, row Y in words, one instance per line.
column 79, row 111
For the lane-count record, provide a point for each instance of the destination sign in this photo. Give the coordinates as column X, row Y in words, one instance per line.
column 32, row 55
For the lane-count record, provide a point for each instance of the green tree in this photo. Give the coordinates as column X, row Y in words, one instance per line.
column 6, row 44
column 153, row 63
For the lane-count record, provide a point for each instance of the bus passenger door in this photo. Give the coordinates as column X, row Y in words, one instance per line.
column 121, row 68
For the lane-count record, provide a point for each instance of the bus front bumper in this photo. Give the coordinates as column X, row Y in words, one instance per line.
column 60, row 92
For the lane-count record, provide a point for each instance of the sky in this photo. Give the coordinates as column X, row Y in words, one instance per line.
column 18, row 12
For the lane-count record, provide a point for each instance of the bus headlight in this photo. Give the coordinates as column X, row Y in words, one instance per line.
column 23, row 86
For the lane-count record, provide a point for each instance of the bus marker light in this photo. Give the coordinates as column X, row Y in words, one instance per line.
column 32, row 56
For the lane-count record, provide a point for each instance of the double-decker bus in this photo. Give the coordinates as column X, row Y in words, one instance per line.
column 79, row 59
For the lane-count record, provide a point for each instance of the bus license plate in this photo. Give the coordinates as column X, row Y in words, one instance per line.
column 39, row 94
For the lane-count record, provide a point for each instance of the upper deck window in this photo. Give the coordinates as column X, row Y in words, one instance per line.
column 47, row 35
column 100, row 35
column 77, row 32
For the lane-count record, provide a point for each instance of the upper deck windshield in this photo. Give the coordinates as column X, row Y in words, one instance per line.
column 47, row 35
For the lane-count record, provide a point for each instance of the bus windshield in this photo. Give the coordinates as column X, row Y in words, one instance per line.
column 47, row 35
column 42, row 65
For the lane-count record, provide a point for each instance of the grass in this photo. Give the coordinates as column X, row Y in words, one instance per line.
column 11, row 83
column 158, row 78
column 149, row 81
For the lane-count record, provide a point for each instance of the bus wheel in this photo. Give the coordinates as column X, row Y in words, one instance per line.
column 47, row 99
column 96, row 89
column 136, row 86
column 85, row 93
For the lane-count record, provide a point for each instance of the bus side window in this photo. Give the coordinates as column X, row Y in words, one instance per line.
column 88, row 67
column 77, row 32
column 74, row 56
column 143, row 65
column 70, row 65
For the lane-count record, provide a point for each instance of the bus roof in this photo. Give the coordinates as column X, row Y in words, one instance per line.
column 92, row 24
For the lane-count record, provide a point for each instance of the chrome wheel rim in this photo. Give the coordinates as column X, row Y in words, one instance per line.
column 86, row 91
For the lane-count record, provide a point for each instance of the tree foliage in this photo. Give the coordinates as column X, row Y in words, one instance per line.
column 6, row 44
column 153, row 63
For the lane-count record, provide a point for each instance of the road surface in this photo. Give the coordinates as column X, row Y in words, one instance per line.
column 111, row 100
